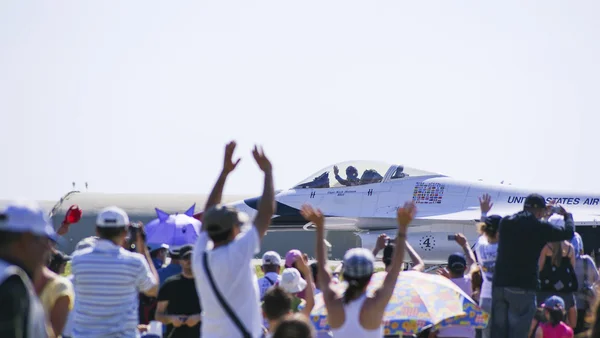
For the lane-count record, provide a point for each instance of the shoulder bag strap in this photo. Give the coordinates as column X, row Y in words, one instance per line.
column 270, row 281
column 222, row 300
column 585, row 271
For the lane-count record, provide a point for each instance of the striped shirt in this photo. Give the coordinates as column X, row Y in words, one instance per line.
column 107, row 280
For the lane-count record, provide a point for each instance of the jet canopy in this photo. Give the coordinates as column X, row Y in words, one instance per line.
column 353, row 173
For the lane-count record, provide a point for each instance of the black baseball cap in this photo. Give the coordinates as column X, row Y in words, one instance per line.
column 535, row 201
column 493, row 222
column 457, row 262
column 185, row 251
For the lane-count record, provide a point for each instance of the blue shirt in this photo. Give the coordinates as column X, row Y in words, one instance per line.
column 168, row 271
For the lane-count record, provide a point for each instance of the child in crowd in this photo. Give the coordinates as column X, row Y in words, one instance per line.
column 554, row 312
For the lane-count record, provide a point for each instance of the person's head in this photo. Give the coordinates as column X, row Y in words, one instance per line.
column 457, row 264
column 58, row 262
column 388, row 252
column 536, row 204
column 291, row 257
column 489, row 228
column 159, row 251
column 359, row 266
column 112, row 224
column 271, row 262
column 185, row 259
column 314, row 268
column 295, row 326
column 577, row 243
column 277, row 303
column 223, row 223
column 174, row 254
column 26, row 234
column 554, row 310
column 351, row 172
column 292, row 282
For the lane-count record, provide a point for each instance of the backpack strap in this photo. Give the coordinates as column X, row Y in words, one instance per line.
column 270, row 281
column 222, row 300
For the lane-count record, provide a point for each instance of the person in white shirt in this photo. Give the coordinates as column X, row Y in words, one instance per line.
column 355, row 313
column 271, row 267
column 486, row 250
column 222, row 259
column 107, row 280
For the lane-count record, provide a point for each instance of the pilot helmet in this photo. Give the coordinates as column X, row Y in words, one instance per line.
column 351, row 172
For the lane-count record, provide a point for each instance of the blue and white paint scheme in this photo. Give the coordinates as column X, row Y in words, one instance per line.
column 364, row 196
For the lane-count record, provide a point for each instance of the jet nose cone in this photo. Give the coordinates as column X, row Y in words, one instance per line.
column 241, row 206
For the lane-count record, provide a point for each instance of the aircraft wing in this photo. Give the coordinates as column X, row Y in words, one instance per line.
column 580, row 218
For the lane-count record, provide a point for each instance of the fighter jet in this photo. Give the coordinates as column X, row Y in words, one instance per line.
column 364, row 196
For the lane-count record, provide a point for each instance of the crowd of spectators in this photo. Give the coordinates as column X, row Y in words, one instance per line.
column 527, row 270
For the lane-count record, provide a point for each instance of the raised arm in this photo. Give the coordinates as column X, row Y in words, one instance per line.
column 418, row 264
column 376, row 305
column 464, row 244
column 317, row 218
column 485, row 204
column 555, row 233
column 266, row 208
column 228, row 166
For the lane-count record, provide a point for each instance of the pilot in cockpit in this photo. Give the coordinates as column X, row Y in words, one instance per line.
column 399, row 172
column 351, row 176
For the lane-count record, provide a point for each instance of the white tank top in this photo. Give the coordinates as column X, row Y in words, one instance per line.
column 36, row 326
column 351, row 326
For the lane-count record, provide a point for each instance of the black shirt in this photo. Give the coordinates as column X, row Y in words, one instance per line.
column 14, row 309
column 521, row 238
column 183, row 300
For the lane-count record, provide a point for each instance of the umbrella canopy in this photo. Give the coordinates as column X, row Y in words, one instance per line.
column 173, row 230
column 419, row 300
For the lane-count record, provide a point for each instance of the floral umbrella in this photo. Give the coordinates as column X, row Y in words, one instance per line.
column 419, row 301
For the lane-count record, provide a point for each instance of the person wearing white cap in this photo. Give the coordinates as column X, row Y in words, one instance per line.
column 25, row 241
column 108, row 278
column 271, row 266
column 356, row 314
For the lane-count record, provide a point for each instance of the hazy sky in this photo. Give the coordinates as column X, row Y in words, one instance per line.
column 141, row 96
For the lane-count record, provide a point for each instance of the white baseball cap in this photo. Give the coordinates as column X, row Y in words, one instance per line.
column 292, row 281
column 112, row 217
column 27, row 216
column 271, row 258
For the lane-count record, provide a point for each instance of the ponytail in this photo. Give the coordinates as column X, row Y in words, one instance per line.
column 356, row 286
column 556, row 316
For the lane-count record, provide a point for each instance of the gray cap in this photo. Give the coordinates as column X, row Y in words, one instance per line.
column 221, row 218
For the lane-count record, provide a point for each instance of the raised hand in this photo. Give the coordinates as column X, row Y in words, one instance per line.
column 460, row 239
column 263, row 162
column 336, row 170
column 485, row 203
column 380, row 244
column 312, row 215
column 405, row 215
column 228, row 164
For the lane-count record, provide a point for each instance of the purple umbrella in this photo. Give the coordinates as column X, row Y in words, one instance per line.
column 174, row 230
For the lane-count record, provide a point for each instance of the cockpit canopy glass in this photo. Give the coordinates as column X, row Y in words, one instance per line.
column 353, row 173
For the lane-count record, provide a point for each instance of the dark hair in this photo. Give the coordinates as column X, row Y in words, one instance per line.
column 276, row 302
column 110, row 233
column 315, row 270
column 355, row 287
column 489, row 230
column 556, row 316
column 221, row 236
column 556, row 252
column 476, row 279
column 296, row 326
column 270, row 267
column 7, row 238
column 388, row 252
